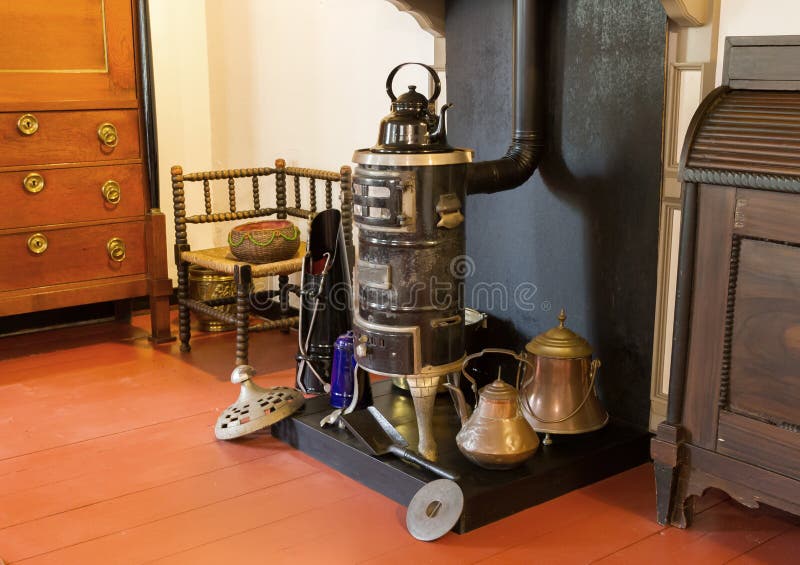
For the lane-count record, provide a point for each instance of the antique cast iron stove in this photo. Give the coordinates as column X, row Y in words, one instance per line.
column 408, row 194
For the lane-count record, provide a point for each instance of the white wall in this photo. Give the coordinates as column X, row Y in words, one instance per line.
column 303, row 79
column 242, row 82
column 756, row 17
column 180, row 68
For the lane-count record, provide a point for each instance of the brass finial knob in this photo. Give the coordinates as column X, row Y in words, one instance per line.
column 562, row 317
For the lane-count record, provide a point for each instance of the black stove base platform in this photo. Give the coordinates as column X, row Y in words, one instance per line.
column 569, row 463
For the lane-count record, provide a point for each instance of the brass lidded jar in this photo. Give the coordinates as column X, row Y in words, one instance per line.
column 560, row 397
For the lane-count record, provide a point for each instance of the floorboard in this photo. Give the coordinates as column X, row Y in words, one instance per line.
column 124, row 478
column 107, row 456
column 69, row 461
column 125, row 513
column 205, row 523
column 717, row 535
column 783, row 548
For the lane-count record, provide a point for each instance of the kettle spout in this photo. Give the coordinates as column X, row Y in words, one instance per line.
column 440, row 135
column 462, row 408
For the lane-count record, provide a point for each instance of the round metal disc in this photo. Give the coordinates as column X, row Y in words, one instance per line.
column 256, row 409
column 434, row 510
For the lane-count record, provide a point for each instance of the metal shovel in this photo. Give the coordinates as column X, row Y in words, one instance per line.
column 381, row 437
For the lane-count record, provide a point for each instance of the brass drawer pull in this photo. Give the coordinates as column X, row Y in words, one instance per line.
column 37, row 243
column 112, row 192
column 28, row 124
column 108, row 134
column 116, row 249
column 33, row 183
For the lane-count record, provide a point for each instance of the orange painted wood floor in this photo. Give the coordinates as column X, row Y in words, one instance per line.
column 107, row 455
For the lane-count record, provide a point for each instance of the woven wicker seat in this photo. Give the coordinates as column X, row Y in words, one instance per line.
column 220, row 259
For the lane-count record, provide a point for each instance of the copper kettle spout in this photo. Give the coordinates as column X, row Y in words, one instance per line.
column 462, row 408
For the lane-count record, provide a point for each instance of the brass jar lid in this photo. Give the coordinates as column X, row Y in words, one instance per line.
column 559, row 342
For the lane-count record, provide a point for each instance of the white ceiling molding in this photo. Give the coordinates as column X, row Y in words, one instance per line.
column 429, row 14
column 690, row 13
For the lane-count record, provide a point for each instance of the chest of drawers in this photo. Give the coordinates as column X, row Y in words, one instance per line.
column 79, row 221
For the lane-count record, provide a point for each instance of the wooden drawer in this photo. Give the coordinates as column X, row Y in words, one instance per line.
column 759, row 443
column 767, row 215
column 72, row 254
column 68, row 137
column 71, row 195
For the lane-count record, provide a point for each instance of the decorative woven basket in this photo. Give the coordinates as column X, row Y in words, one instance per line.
column 264, row 242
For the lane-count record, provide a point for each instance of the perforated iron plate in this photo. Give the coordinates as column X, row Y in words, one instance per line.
column 257, row 408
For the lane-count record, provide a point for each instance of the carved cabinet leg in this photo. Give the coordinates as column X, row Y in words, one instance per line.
column 682, row 505
column 159, row 286
column 159, row 318
column 674, row 506
column 672, row 470
column 664, row 480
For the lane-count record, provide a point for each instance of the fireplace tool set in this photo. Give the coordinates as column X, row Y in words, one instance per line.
column 407, row 317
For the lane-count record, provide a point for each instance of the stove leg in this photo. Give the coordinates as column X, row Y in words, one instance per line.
column 423, row 392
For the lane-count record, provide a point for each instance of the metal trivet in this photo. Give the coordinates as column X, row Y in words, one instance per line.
column 257, row 407
column 434, row 510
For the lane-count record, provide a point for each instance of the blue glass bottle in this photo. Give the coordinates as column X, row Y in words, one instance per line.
column 343, row 371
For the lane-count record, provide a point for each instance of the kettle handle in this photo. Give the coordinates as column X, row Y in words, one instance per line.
column 437, row 85
column 468, row 358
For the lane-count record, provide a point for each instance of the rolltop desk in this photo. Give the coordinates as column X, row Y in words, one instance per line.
column 78, row 174
column 733, row 417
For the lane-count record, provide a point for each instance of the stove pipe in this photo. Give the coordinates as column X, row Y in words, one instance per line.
column 527, row 140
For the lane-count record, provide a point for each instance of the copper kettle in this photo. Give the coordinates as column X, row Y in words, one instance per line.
column 559, row 396
column 496, row 435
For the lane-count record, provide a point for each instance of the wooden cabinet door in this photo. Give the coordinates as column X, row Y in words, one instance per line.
column 66, row 54
column 759, row 400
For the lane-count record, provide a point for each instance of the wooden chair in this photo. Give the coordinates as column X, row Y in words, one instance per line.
column 220, row 260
